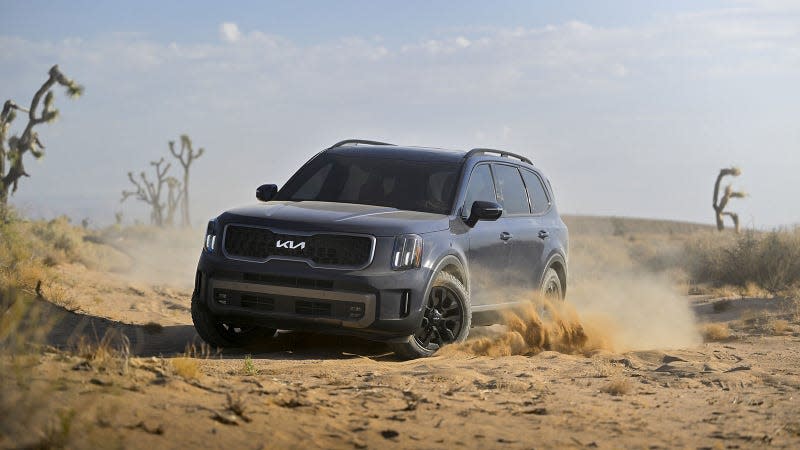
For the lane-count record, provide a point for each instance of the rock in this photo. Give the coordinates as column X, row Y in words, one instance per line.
column 226, row 419
column 83, row 366
column 100, row 382
column 389, row 434
column 669, row 358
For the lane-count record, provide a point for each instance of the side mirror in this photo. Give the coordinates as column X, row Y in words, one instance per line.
column 482, row 210
column 266, row 192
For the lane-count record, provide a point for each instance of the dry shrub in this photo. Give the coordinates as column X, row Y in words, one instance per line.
column 618, row 386
column 188, row 366
column 721, row 306
column 755, row 318
column 769, row 261
column 716, row 332
column 110, row 354
column 779, row 326
column 184, row 367
column 24, row 401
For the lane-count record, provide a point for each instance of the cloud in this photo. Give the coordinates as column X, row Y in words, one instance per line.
column 229, row 32
column 567, row 91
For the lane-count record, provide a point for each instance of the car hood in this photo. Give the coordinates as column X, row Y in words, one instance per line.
column 311, row 216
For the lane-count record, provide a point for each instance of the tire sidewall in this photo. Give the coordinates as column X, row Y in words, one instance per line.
column 412, row 348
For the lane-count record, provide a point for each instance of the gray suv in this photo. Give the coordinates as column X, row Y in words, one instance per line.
column 406, row 245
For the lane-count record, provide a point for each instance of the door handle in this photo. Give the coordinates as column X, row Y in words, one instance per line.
column 505, row 235
column 543, row 234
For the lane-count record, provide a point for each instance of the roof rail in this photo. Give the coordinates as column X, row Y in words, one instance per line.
column 356, row 141
column 501, row 153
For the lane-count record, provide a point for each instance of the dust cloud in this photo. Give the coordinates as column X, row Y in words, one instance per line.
column 158, row 257
column 613, row 312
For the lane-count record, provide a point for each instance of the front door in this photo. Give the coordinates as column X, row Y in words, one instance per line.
column 489, row 246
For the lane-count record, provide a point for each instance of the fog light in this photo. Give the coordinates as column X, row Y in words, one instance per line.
column 221, row 297
column 407, row 253
column 356, row 310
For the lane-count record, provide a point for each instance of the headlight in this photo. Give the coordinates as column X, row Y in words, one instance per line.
column 407, row 253
column 211, row 236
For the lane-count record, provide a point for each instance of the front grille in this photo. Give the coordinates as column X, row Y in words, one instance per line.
column 321, row 249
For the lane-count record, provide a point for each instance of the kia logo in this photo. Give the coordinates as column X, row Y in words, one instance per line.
column 290, row 245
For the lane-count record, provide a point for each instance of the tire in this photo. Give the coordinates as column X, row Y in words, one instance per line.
column 551, row 292
column 447, row 318
column 551, row 285
column 218, row 333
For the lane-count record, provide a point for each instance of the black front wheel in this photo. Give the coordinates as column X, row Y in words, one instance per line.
column 218, row 332
column 446, row 319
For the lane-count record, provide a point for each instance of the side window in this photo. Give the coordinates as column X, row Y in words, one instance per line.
column 511, row 190
column 480, row 188
column 536, row 191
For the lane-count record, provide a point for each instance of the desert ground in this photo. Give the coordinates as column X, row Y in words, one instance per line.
column 99, row 352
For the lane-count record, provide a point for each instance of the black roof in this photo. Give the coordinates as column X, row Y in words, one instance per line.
column 422, row 153
column 399, row 152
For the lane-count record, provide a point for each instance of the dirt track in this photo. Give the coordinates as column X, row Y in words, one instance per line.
column 304, row 391
column 331, row 392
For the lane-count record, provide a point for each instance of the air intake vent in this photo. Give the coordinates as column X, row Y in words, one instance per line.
column 257, row 302
column 315, row 309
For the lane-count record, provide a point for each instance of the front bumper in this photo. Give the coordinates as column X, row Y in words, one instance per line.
column 375, row 302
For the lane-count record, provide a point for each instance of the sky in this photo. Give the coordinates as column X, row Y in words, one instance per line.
column 629, row 107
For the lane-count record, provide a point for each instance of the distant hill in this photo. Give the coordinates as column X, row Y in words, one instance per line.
column 612, row 225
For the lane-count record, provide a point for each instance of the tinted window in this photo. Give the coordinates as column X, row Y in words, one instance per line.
column 480, row 188
column 312, row 187
column 536, row 191
column 380, row 181
column 511, row 190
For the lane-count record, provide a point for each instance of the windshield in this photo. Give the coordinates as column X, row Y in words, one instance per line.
column 379, row 181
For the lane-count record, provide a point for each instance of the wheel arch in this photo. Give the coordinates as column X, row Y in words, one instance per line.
column 453, row 265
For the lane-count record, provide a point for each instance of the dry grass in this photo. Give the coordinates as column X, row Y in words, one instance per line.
column 618, row 386
column 753, row 261
column 779, row 326
column 187, row 368
column 111, row 354
column 715, row 332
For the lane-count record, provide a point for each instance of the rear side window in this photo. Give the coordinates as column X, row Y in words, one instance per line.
column 511, row 190
column 539, row 200
column 480, row 188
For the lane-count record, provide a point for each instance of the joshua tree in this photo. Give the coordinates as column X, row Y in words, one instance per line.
column 186, row 156
column 174, row 195
column 719, row 205
column 13, row 149
column 150, row 191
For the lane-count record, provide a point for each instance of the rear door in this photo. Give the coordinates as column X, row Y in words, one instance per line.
column 526, row 260
column 546, row 228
